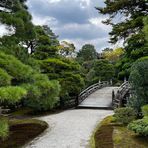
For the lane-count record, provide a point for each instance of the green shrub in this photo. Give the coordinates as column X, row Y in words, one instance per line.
column 145, row 110
column 12, row 94
column 139, row 126
column 19, row 71
column 43, row 94
column 139, row 83
column 5, row 79
column 124, row 115
column 4, row 128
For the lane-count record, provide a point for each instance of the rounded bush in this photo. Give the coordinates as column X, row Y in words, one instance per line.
column 42, row 95
column 139, row 126
column 139, row 83
column 125, row 115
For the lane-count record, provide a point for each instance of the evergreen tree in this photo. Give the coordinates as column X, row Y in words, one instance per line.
column 87, row 53
column 130, row 29
column 16, row 16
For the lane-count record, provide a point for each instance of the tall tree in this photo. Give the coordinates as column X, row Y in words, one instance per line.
column 133, row 12
column 88, row 52
column 51, row 34
column 15, row 15
column 129, row 29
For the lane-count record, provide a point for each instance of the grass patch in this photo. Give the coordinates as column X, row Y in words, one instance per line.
column 102, row 136
column 22, row 131
column 22, row 112
column 29, row 113
column 123, row 138
column 109, row 134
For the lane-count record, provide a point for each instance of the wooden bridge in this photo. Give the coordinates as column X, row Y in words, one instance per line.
column 104, row 96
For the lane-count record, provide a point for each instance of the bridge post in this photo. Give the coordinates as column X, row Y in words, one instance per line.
column 113, row 97
column 77, row 101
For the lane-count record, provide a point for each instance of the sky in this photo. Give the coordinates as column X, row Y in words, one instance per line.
column 76, row 21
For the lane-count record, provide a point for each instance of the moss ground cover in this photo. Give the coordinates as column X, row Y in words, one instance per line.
column 109, row 134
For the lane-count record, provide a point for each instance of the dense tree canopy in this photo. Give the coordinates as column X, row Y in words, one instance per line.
column 133, row 13
column 87, row 53
column 129, row 29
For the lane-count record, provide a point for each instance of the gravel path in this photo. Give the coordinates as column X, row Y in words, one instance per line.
column 69, row 129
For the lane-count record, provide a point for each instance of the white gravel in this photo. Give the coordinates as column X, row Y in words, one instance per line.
column 69, row 129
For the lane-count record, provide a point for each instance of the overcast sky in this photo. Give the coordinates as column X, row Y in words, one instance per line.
column 76, row 21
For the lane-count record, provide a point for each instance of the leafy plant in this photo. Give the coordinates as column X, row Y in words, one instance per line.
column 43, row 94
column 139, row 126
column 125, row 115
column 139, row 83
column 5, row 78
column 145, row 110
column 4, row 128
column 12, row 94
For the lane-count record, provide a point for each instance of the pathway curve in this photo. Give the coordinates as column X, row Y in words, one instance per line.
column 73, row 128
column 69, row 129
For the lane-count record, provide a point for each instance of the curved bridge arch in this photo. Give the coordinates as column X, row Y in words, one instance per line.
column 91, row 89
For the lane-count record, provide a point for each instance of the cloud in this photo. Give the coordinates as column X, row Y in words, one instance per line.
column 5, row 30
column 76, row 21
column 81, row 31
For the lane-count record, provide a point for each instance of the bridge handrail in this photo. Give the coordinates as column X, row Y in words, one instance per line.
column 92, row 86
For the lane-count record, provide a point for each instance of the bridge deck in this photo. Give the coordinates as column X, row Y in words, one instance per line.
column 102, row 98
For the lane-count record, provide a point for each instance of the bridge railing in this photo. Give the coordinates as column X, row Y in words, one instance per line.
column 85, row 93
column 121, row 96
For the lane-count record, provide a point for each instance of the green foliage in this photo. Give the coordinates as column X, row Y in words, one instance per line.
column 43, row 94
column 125, row 115
column 139, row 126
column 133, row 11
column 66, row 72
column 146, row 28
column 145, row 110
column 46, row 44
column 87, row 53
column 104, row 70
column 18, row 71
column 71, row 83
column 139, row 83
column 20, row 20
column 129, row 29
column 113, row 55
column 12, row 94
column 67, row 49
column 4, row 128
column 5, row 79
